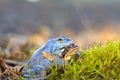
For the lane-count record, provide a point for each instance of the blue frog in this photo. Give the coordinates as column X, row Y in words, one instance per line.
column 53, row 52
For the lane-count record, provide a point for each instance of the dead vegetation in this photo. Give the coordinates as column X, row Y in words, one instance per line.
column 7, row 71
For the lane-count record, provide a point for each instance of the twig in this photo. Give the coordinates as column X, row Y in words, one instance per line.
column 12, row 62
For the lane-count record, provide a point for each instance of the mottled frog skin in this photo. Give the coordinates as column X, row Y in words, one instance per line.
column 38, row 64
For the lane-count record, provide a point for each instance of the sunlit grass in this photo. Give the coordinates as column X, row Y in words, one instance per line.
column 97, row 63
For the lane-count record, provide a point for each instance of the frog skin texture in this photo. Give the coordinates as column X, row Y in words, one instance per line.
column 38, row 64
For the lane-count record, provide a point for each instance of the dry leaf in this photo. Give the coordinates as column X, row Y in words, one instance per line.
column 48, row 56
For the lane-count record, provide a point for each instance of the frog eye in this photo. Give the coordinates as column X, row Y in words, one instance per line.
column 60, row 40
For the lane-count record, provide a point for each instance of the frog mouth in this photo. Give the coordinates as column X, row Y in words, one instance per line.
column 69, row 51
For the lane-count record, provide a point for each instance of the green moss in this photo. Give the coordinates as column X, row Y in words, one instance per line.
column 97, row 63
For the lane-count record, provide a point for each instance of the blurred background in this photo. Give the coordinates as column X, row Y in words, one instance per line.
column 33, row 22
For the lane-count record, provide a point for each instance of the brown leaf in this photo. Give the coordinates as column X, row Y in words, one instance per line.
column 2, row 65
column 48, row 56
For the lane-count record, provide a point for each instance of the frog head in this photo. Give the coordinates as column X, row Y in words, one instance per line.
column 61, row 46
